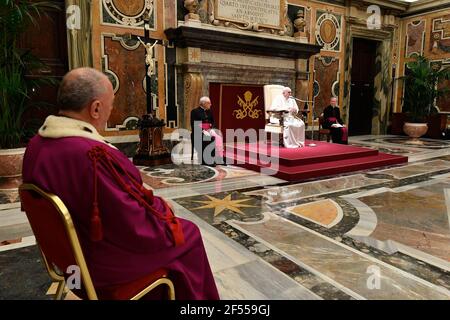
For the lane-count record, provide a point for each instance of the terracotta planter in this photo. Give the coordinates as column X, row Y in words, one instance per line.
column 11, row 167
column 415, row 130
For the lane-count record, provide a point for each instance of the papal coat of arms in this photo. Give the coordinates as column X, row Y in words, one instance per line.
column 247, row 107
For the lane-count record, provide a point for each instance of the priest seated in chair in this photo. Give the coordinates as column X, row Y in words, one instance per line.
column 206, row 140
column 294, row 127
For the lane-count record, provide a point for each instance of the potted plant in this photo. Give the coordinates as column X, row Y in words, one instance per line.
column 16, row 84
column 421, row 91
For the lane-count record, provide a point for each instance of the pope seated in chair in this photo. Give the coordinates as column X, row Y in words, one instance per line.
column 294, row 128
column 125, row 231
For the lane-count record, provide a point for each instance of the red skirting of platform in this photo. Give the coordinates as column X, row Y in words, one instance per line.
column 325, row 159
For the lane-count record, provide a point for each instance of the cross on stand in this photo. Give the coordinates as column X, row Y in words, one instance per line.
column 151, row 151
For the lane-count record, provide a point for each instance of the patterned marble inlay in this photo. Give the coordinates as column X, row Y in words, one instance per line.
column 390, row 150
column 416, row 169
column 328, row 30
column 185, row 174
column 9, row 196
column 415, row 215
column 415, row 38
column 327, row 74
column 338, row 263
column 304, row 277
column 326, row 213
column 243, row 282
column 23, row 275
column 180, row 174
column 269, row 239
column 425, row 143
column 304, row 190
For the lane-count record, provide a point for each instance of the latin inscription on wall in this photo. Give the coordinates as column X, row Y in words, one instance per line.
column 262, row 12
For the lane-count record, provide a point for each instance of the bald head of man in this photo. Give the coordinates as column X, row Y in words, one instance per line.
column 86, row 94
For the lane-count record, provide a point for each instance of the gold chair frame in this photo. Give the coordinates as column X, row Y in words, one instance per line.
column 78, row 253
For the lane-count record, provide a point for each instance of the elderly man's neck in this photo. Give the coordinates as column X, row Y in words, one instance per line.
column 82, row 116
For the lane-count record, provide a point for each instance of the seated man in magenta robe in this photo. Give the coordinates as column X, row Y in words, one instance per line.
column 333, row 121
column 125, row 231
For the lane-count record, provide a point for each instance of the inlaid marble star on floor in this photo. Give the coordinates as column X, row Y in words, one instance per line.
column 219, row 205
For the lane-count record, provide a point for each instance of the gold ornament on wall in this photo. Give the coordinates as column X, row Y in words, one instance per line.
column 248, row 107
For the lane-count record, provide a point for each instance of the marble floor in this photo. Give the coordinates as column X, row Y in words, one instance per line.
column 379, row 234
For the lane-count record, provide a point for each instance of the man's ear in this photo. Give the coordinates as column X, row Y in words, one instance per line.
column 94, row 109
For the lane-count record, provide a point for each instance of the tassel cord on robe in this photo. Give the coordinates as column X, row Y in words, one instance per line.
column 100, row 154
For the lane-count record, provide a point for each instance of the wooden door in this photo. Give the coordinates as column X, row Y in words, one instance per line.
column 48, row 42
column 362, row 86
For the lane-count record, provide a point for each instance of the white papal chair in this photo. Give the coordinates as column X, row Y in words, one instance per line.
column 271, row 91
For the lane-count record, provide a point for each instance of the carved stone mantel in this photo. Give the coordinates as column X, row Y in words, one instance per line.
column 210, row 39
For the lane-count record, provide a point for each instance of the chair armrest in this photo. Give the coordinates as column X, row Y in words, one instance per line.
column 280, row 113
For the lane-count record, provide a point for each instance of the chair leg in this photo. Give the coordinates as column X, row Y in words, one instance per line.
column 162, row 281
column 171, row 291
column 60, row 289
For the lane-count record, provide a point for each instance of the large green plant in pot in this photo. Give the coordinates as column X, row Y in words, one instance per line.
column 16, row 84
column 16, row 64
column 422, row 90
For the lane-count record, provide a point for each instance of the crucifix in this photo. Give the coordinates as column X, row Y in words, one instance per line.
column 151, row 151
column 149, row 61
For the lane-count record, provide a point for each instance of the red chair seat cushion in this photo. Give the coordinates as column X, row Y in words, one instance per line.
column 128, row 290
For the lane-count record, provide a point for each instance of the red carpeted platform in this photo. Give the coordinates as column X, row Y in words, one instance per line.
column 325, row 159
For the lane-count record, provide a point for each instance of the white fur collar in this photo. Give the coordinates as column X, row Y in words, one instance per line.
column 62, row 127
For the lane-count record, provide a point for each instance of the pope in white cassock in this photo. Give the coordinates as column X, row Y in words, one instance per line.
column 294, row 128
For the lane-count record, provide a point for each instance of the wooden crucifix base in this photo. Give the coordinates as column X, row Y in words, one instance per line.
column 151, row 151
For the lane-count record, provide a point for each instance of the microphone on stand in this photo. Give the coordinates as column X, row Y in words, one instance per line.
column 291, row 97
column 305, row 107
column 306, row 111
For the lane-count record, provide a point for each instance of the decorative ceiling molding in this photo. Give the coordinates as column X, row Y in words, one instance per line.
column 425, row 6
column 399, row 6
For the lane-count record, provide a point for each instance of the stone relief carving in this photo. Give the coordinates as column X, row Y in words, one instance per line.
column 192, row 8
column 286, row 27
column 203, row 11
column 300, row 21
